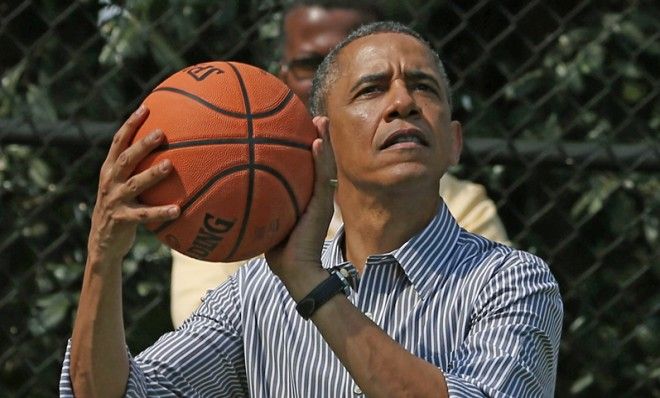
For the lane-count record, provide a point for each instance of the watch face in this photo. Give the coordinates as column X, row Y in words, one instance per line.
column 350, row 278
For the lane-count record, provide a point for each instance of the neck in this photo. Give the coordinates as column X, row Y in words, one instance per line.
column 381, row 222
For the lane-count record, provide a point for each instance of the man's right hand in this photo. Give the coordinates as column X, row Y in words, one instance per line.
column 117, row 212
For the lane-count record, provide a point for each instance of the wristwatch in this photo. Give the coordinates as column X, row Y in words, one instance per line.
column 341, row 280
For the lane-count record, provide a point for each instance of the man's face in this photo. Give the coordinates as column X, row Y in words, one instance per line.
column 310, row 34
column 390, row 121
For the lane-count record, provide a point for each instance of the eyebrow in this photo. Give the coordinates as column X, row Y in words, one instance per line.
column 415, row 75
column 374, row 77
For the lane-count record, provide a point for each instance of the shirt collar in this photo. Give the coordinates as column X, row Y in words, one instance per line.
column 422, row 257
column 426, row 255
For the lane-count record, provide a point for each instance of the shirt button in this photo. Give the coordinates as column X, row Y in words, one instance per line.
column 369, row 315
column 357, row 390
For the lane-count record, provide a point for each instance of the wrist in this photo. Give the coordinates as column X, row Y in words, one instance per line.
column 101, row 261
column 340, row 280
column 300, row 283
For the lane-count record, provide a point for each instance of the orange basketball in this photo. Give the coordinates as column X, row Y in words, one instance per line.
column 240, row 143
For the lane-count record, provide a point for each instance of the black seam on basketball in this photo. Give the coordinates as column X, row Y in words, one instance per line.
column 193, row 198
column 229, row 141
column 285, row 183
column 250, row 133
column 201, row 101
column 278, row 107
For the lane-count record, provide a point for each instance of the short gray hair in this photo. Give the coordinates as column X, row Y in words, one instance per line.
column 327, row 71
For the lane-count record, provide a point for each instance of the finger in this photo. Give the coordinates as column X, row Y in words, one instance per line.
column 324, row 160
column 321, row 204
column 147, row 214
column 131, row 156
column 322, row 124
column 323, row 168
column 124, row 135
column 144, row 180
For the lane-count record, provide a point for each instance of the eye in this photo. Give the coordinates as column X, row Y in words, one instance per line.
column 421, row 86
column 369, row 90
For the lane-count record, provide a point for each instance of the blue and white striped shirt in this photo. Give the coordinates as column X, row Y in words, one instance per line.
column 487, row 315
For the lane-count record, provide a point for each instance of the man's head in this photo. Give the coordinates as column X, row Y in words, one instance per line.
column 386, row 96
column 311, row 29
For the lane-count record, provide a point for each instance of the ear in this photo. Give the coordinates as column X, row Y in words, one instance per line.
column 457, row 141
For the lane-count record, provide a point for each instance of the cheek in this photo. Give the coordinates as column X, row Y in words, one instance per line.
column 362, row 120
column 348, row 142
column 435, row 110
column 440, row 120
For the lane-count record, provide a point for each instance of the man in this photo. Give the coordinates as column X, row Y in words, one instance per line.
column 311, row 29
column 436, row 311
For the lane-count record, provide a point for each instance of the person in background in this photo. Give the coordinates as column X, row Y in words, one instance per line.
column 310, row 30
column 402, row 302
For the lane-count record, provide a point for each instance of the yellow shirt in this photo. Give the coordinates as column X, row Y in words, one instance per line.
column 467, row 202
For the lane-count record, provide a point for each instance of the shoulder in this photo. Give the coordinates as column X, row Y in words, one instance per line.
column 495, row 262
column 507, row 275
column 255, row 273
column 473, row 248
column 498, row 279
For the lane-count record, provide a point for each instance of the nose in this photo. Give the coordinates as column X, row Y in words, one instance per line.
column 401, row 103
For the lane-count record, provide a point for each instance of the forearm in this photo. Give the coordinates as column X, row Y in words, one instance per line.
column 99, row 361
column 377, row 363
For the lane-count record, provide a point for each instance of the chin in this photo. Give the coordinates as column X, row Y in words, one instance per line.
column 410, row 176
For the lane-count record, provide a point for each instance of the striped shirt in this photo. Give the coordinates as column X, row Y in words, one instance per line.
column 485, row 314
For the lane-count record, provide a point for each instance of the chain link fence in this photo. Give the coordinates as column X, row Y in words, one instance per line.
column 560, row 105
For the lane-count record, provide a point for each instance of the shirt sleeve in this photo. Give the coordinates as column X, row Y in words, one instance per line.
column 512, row 346
column 191, row 279
column 204, row 357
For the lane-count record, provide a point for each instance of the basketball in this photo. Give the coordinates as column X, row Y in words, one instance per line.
column 240, row 145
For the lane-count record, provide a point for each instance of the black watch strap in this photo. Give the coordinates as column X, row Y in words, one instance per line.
column 334, row 284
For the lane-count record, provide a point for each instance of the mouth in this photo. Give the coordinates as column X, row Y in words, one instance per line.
column 405, row 138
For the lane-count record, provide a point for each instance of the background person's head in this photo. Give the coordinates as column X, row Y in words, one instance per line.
column 311, row 28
